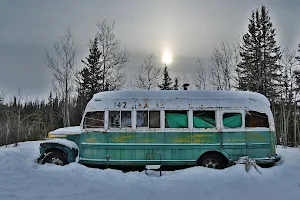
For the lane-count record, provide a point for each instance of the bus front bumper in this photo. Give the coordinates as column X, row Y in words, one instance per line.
column 268, row 160
column 264, row 161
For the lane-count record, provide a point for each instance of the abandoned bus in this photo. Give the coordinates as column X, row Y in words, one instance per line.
column 207, row 128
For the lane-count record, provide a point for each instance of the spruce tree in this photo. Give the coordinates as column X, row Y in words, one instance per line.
column 175, row 86
column 166, row 83
column 89, row 77
column 258, row 70
column 297, row 72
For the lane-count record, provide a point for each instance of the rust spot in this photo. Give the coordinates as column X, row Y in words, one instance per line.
column 145, row 141
column 255, row 136
column 91, row 140
column 121, row 139
column 204, row 138
column 182, row 140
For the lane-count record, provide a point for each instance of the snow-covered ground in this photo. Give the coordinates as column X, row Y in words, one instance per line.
column 23, row 179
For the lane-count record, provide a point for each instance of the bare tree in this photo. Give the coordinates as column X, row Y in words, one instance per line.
column 19, row 100
column 113, row 58
column 288, row 62
column 2, row 117
column 62, row 64
column 147, row 77
column 183, row 79
column 221, row 65
column 200, row 76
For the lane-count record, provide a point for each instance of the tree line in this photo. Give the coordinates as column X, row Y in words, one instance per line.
column 253, row 62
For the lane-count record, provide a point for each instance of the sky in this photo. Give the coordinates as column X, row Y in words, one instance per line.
column 188, row 29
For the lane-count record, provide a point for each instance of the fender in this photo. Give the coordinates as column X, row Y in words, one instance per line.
column 47, row 147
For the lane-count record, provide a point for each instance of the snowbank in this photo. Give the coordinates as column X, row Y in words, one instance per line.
column 23, row 179
column 66, row 131
column 67, row 143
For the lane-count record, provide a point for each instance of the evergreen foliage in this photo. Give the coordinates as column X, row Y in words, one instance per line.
column 89, row 79
column 36, row 119
column 175, row 86
column 166, row 83
column 259, row 70
column 90, row 75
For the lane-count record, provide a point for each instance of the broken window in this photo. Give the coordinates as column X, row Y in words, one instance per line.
column 114, row 119
column 125, row 119
column 119, row 119
column 204, row 119
column 256, row 119
column 154, row 119
column 150, row 119
column 176, row 119
column 94, row 119
column 232, row 120
column 142, row 118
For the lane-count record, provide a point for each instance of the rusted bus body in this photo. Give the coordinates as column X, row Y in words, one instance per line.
column 129, row 144
column 209, row 128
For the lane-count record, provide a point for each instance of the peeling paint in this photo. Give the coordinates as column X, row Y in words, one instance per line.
column 255, row 136
column 91, row 140
column 122, row 138
column 145, row 141
column 202, row 138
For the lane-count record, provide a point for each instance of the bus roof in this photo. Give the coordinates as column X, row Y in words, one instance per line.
column 189, row 94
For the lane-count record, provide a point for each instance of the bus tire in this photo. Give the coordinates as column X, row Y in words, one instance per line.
column 55, row 157
column 213, row 160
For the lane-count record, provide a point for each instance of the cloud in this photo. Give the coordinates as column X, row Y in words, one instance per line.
column 190, row 29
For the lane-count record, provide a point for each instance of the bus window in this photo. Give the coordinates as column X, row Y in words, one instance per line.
column 94, row 119
column 154, row 119
column 256, row 119
column 114, row 119
column 232, row 120
column 119, row 119
column 149, row 119
column 125, row 119
column 176, row 119
column 142, row 119
column 204, row 119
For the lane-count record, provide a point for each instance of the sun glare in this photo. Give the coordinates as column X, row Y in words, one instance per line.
column 167, row 57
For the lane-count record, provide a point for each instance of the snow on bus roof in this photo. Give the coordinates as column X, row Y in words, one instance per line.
column 191, row 94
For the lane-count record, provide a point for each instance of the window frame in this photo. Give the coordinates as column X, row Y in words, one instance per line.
column 256, row 127
column 188, row 119
column 120, row 113
column 148, row 113
column 216, row 118
column 84, row 126
column 242, row 112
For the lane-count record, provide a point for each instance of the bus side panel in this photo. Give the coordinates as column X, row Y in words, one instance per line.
column 234, row 143
column 137, row 147
column 259, row 143
column 88, row 145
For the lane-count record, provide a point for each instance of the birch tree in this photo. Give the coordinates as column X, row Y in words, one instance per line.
column 148, row 76
column 221, row 67
column 288, row 62
column 62, row 65
column 199, row 78
column 113, row 58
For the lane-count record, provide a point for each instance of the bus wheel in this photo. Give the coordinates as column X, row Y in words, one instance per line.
column 56, row 157
column 213, row 160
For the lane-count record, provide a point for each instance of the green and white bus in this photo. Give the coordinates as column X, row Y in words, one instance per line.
column 206, row 128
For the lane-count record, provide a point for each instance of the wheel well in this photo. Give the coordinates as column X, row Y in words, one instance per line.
column 212, row 152
column 55, row 150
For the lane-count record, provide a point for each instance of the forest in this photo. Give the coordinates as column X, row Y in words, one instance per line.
column 253, row 62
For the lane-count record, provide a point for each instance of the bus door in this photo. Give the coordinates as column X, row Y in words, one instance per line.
column 258, row 135
column 233, row 132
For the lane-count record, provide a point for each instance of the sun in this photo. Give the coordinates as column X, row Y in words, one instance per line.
column 167, row 57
